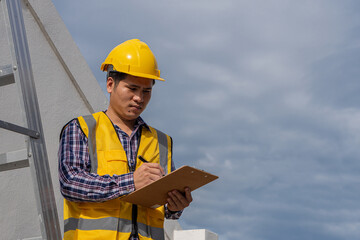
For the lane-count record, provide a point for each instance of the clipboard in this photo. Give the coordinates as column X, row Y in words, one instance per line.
column 155, row 194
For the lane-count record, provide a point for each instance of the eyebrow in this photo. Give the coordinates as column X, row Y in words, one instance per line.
column 137, row 86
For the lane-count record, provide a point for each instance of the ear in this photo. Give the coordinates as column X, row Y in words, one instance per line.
column 110, row 83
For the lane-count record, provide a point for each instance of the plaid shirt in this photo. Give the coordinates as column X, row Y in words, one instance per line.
column 77, row 184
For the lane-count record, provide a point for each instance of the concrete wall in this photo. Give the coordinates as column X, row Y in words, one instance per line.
column 66, row 88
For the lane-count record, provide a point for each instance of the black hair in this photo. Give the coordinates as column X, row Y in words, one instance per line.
column 118, row 76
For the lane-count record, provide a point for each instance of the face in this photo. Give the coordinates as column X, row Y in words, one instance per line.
column 130, row 97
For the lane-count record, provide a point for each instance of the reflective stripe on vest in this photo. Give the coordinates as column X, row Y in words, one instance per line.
column 91, row 123
column 163, row 150
column 112, row 224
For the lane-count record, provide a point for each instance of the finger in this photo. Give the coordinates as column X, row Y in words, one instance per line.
column 179, row 200
column 151, row 175
column 173, row 199
column 157, row 171
column 154, row 177
column 151, row 165
column 188, row 195
column 153, row 168
column 171, row 205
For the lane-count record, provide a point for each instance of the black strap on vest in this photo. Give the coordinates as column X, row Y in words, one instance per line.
column 134, row 228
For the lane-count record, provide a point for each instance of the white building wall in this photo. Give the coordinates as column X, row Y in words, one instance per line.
column 197, row 234
column 59, row 73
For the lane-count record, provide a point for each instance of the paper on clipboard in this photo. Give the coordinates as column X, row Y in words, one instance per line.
column 156, row 193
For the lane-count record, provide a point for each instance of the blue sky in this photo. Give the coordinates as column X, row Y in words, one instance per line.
column 263, row 93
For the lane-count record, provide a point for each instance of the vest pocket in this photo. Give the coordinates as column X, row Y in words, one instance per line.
column 115, row 162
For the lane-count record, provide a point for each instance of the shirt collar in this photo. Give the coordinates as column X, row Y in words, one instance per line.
column 139, row 122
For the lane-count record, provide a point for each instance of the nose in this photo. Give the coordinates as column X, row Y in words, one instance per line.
column 139, row 97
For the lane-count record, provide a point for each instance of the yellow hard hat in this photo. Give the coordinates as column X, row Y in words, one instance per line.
column 135, row 58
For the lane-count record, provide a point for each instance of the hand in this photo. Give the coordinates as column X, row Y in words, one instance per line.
column 178, row 201
column 147, row 173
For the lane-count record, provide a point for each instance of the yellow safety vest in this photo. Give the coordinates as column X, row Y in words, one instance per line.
column 116, row 219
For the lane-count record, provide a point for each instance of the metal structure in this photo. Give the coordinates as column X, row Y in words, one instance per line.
column 20, row 72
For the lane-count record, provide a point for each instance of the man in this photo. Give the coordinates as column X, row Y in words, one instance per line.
column 109, row 154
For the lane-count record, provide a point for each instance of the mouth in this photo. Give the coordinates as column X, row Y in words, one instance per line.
column 137, row 107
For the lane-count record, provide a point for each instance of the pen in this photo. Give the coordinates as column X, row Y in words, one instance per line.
column 142, row 159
